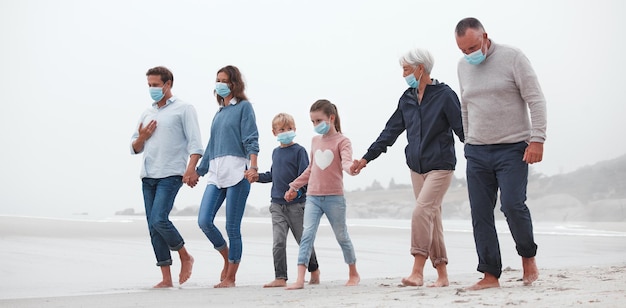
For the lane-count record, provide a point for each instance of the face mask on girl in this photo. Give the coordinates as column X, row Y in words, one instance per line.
column 222, row 89
column 322, row 128
column 286, row 137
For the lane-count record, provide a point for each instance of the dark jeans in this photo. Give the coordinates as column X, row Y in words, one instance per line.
column 158, row 198
column 285, row 217
column 489, row 168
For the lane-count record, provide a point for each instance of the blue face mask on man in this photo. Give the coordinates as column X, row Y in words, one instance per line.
column 156, row 93
column 286, row 137
column 222, row 89
column 476, row 57
column 322, row 128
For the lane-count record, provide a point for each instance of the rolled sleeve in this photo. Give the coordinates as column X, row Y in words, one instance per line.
column 192, row 131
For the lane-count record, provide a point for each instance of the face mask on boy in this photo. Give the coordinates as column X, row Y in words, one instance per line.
column 286, row 137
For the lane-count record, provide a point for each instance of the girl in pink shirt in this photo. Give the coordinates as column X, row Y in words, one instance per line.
column 331, row 153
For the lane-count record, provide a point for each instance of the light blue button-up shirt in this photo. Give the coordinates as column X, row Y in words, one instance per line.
column 175, row 138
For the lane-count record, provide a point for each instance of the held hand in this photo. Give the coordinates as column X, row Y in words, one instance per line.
column 533, row 153
column 251, row 175
column 290, row 195
column 191, row 178
column 357, row 165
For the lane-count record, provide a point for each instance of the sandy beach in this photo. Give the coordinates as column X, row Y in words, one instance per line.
column 109, row 263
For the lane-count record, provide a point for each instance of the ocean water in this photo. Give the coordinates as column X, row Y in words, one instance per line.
column 82, row 255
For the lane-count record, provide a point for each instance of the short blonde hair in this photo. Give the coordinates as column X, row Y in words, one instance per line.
column 283, row 119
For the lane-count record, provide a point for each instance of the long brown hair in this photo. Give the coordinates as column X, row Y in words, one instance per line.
column 236, row 84
column 328, row 109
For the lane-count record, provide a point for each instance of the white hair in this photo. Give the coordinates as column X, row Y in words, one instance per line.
column 417, row 56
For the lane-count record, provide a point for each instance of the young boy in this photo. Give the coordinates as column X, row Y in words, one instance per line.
column 288, row 161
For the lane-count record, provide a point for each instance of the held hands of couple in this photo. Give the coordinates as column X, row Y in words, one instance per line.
column 191, row 178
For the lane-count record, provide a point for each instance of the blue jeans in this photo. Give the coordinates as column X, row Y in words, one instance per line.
column 335, row 209
column 158, row 198
column 489, row 168
column 236, row 197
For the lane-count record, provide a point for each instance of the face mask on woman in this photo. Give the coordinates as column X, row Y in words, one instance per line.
column 412, row 81
column 222, row 89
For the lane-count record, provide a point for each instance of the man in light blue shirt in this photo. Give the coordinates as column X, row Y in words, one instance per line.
column 167, row 134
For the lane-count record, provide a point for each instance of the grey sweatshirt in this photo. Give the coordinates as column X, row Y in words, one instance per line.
column 496, row 96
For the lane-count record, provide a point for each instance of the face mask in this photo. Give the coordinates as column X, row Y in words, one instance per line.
column 156, row 93
column 286, row 137
column 411, row 81
column 322, row 128
column 222, row 89
column 476, row 57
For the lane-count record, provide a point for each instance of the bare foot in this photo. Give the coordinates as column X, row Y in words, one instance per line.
column 441, row 282
column 185, row 270
column 276, row 283
column 315, row 277
column 296, row 286
column 489, row 281
column 413, row 281
column 163, row 284
column 224, row 271
column 353, row 280
column 224, row 254
column 531, row 273
column 226, row 283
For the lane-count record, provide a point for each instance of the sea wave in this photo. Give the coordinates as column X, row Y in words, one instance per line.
column 597, row 229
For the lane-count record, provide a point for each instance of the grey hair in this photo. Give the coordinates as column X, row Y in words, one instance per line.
column 417, row 56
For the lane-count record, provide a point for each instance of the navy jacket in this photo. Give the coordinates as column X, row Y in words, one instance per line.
column 429, row 126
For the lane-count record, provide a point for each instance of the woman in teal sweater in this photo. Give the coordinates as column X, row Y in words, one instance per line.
column 230, row 159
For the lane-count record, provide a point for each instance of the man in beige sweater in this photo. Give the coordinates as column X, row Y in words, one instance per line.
column 499, row 90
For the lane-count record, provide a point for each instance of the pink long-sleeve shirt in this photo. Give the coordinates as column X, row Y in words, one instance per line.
column 329, row 156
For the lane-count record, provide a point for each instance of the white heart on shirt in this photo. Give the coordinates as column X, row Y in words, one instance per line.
column 323, row 158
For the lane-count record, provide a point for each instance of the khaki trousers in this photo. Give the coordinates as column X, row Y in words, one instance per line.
column 426, row 225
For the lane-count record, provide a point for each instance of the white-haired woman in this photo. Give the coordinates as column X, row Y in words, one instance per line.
column 429, row 111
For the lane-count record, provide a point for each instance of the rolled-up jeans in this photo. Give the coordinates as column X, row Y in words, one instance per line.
column 489, row 168
column 236, row 197
column 335, row 209
column 158, row 198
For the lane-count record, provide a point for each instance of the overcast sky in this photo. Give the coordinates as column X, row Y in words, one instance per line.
column 73, row 82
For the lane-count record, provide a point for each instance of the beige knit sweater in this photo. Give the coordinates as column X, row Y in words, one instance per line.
column 501, row 100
